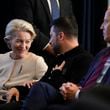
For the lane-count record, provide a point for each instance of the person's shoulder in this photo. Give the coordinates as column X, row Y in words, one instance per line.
column 35, row 56
column 4, row 54
column 103, row 51
column 5, row 57
column 84, row 52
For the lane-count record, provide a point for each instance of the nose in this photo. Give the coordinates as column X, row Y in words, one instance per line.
column 102, row 26
column 23, row 45
column 50, row 41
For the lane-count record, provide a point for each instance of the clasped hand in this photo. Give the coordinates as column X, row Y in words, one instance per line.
column 68, row 90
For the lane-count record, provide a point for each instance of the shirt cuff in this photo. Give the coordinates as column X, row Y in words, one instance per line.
column 77, row 94
column 46, row 46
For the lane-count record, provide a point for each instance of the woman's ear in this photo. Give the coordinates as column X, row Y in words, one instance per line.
column 8, row 42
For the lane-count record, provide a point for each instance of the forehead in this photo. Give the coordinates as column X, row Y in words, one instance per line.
column 107, row 15
column 22, row 35
column 52, row 29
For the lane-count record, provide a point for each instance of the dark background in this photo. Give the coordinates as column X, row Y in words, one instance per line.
column 90, row 14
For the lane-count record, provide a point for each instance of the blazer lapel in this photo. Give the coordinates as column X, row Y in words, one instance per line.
column 45, row 4
column 61, row 7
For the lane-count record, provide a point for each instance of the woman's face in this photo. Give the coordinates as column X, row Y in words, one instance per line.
column 20, row 44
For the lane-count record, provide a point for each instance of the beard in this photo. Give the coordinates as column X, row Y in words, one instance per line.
column 57, row 49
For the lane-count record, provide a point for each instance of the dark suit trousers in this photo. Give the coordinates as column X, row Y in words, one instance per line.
column 41, row 96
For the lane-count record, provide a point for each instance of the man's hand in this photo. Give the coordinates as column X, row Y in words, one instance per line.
column 60, row 67
column 68, row 90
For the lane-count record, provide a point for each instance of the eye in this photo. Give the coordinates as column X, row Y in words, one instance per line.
column 27, row 42
column 18, row 41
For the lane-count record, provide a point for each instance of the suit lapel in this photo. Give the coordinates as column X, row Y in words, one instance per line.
column 61, row 7
column 45, row 4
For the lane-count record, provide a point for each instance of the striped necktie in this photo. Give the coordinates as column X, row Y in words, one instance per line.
column 104, row 71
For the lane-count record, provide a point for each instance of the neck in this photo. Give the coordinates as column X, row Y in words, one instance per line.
column 69, row 46
column 16, row 57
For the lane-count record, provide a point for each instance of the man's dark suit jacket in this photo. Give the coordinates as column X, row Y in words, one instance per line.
column 106, row 79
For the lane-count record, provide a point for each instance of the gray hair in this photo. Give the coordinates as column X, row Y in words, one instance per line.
column 18, row 25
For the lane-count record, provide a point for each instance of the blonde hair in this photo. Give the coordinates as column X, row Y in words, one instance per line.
column 18, row 25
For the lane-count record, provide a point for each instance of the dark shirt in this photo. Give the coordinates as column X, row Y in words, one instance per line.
column 77, row 63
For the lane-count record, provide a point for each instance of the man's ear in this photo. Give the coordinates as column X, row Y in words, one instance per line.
column 61, row 35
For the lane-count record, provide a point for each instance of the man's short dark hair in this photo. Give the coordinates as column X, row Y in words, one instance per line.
column 67, row 24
